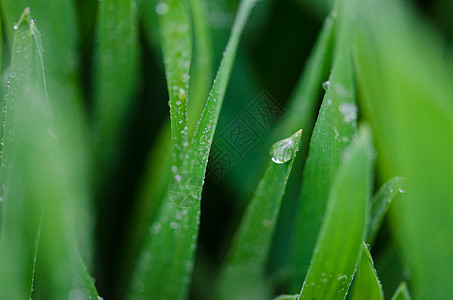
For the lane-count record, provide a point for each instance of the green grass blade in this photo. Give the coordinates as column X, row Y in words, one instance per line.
column 245, row 266
column 17, row 245
column 402, row 293
column 406, row 93
column 201, row 71
column 287, row 297
column 166, row 260
column 176, row 40
column 116, row 70
column 340, row 239
column 366, row 282
column 380, row 204
column 332, row 133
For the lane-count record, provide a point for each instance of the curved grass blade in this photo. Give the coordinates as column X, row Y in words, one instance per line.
column 332, row 133
column 402, row 293
column 380, row 204
column 116, row 69
column 340, row 239
column 366, row 282
column 406, row 94
column 166, row 260
column 244, row 271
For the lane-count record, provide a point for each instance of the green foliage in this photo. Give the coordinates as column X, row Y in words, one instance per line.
column 102, row 182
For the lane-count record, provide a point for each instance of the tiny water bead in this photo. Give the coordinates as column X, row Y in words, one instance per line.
column 161, row 8
column 284, row 150
column 325, row 85
column 349, row 111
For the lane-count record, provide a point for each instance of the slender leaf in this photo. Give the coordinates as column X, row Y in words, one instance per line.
column 166, row 260
column 332, row 133
column 380, row 204
column 246, row 262
column 116, row 69
column 366, row 282
column 411, row 113
column 402, row 293
column 339, row 243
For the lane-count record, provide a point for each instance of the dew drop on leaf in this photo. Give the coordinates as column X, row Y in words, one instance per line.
column 284, row 150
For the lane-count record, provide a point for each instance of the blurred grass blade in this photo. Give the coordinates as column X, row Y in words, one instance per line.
column 402, row 293
column 17, row 242
column 201, row 70
column 332, row 133
column 244, row 268
column 380, row 205
column 37, row 194
column 116, row 73
column 340, row 239
column 166, row 260
column 366, row 283
column 411, row 113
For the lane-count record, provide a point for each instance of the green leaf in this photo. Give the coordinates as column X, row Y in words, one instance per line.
column 166, row 260
column 333, row 131
column 244, row 268
column 402, row 293
column 116, row 73
column 366, row 282
column 380, row 204
column 340, row 239
column 406, row 96
column 287, row 297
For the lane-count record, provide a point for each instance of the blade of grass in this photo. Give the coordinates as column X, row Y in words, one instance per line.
column 16, row 255
column 380, row 204
column 287, row 297
column 116, row 69
column 244, row 268
column 411, row 112
column 332, row 133
column 366, row 282
column 339, row 243
column 402, row 293
column 201, row 72
column 166, row 260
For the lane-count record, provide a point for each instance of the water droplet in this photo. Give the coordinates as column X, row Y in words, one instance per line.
column 284, row 150
column 15, row 26
column 161, row 8
column 401, row 191
column 325, row 85
column 174, row 168
column 174, row 225
column 178, row 178
column 349, row 111
column 12, row 74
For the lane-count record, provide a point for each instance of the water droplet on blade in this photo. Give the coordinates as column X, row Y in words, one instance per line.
column 284, row 150
column 325, row 85
column 161, row 8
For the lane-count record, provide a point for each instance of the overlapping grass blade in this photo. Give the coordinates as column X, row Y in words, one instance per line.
column 366, row 282
column 166, row 260
column 411, row 113
column 244, row 268
column 340, row 239
column 332, row 133
column 116, row 70
column 380, row 204
column 402, row 293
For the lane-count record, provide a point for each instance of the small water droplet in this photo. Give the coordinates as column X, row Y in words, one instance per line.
column 325, row 85
column 181, row 94
column 174, row 225
column 178, row 178
column 401, row 191
column 349, row 111
column 284, row 150
column 12, row 74
column 161, row 8
column 15, row 26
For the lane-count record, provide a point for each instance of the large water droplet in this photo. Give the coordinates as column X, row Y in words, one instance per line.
column 284, row 150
